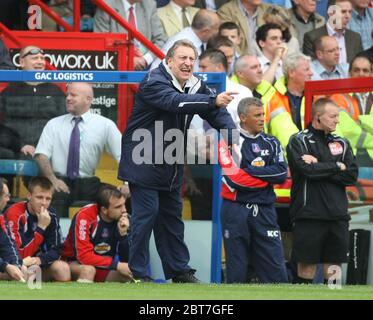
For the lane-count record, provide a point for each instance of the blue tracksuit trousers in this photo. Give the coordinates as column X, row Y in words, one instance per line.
column 252, row 238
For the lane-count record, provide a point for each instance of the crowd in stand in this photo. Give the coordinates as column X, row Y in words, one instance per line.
column 268, row 49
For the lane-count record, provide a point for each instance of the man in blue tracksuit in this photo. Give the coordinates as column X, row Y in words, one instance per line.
column 249, row 221
column 10, row 262
column 152, row 158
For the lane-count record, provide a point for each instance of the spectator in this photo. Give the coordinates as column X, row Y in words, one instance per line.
column 27, row 106
column 177, row 15
column 64, row 8
column 362, row 21
column 142, row 15
column 326, row 65
column 71, row 146
column 97, row 245
column 232, row 32
column 5, row 61
column 10, row 261
column 357, row 114
column 249, row 220
column 248, row 72
column 248, row 14
column 212, row 5
column 304, row 18
column 282, row 18
column 368, row 53
column 349, row 42
column 285, row 111
column 155, row 188
column 227, row 47
column 35, row 228
column 205, row 25
column 321, row 166
column 269, row 38
column 213, row 61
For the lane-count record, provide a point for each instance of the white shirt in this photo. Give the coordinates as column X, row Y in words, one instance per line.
column 96, row 134
column 186, row 33
column 265, row 63
column 341, row 43
column 243, row 92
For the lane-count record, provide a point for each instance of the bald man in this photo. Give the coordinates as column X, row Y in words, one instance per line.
column 71, row 146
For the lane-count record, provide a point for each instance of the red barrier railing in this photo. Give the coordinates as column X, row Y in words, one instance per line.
column 329, row 87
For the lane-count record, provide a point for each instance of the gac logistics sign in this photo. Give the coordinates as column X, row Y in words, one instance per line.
column 62, row 76
column 105, row 101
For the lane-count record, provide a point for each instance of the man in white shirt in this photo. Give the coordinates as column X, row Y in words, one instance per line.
column 54, row 150
column 270, row 41
column 204, row 26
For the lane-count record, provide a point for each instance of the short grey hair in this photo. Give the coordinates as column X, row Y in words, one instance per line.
column 241, row 62
column 181, row 43
column 245, row 104
column 292, row 61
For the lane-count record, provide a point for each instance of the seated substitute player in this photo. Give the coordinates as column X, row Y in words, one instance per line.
column 10, row 262
column 97, row 246
column 249, row 220
column 35, row 228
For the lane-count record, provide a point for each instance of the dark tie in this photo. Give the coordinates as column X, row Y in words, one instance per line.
column 74, row 150
column 202, row 48
column 131, row 17
column 184, row 18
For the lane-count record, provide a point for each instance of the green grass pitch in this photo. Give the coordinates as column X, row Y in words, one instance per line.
column 153, row 291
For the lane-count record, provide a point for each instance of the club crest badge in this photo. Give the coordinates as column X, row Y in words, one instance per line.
column 335, row 148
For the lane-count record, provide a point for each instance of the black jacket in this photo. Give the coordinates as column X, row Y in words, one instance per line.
column 319, row 190
column 161, row 105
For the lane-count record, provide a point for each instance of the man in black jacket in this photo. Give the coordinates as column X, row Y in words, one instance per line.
column 153, row 155
column 321, row 166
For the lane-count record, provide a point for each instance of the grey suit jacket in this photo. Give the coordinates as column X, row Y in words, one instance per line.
column 147, row 20
column 352, row 39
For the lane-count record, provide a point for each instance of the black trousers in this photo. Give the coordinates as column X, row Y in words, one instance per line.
column 82, row 192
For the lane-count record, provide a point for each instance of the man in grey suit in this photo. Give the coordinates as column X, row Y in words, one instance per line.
column 146, row 20
column 349, row 42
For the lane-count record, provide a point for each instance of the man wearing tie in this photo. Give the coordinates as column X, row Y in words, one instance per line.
column 71, row 146
column 177, row 15
column 142, row 15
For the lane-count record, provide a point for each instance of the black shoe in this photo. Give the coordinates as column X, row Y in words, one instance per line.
column 187, row 277
column 143, row 279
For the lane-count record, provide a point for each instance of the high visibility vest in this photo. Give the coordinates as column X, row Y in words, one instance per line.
column 279, row 117
column 357, row 128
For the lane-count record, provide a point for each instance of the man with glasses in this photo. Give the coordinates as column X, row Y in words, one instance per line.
column 326, row 65
column 27, row 106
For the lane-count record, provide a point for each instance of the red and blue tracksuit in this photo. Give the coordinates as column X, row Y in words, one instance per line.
column 92, row 241
column 249, row 221
column 8, row 250
column 30, row 239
